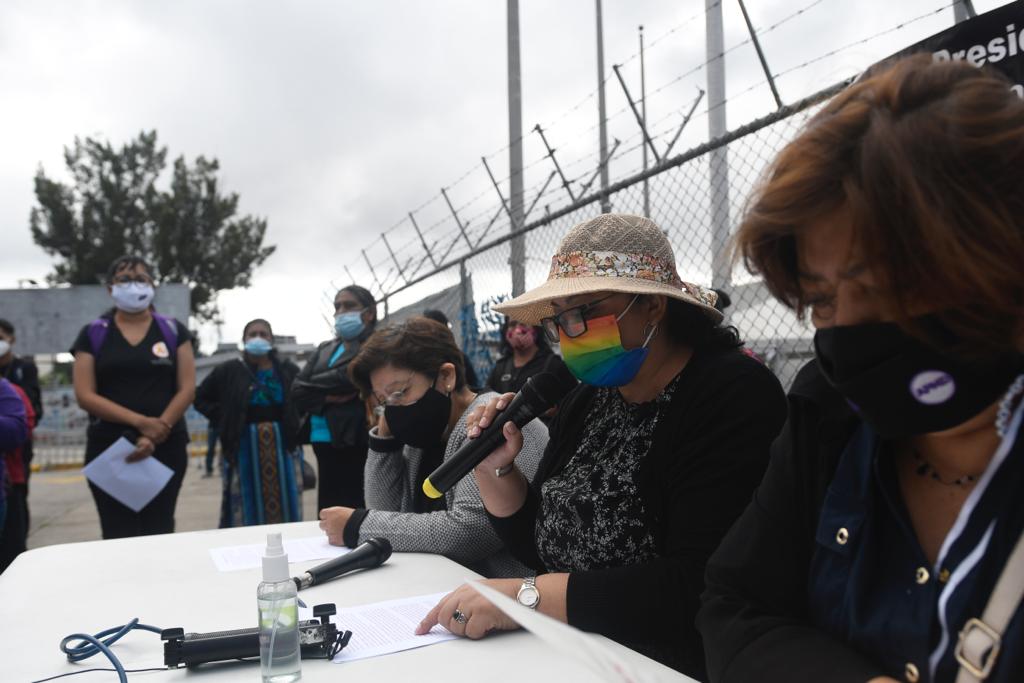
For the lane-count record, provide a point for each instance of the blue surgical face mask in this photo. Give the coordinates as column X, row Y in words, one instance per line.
column 349, row 325
column 258, row 346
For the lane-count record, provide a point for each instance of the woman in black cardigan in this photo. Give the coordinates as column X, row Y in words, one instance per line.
column 650, row 461
column 336, row 416
column 249, row 399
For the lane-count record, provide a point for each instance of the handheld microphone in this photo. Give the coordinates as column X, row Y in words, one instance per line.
column 540, row 393
column 373, row 553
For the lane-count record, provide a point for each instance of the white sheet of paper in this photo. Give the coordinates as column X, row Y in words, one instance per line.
column 134, row 484
column 236, row 557
column 381, row 628
column 591, row 652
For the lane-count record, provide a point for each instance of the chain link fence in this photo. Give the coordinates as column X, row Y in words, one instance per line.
column 58, row 441
column 681, row 199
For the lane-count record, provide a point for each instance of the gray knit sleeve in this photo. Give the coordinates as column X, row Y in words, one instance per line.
column 462, row 530
column 385, row 478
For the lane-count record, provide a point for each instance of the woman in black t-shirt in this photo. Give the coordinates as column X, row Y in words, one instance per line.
column 525, row 352
column 134, row 374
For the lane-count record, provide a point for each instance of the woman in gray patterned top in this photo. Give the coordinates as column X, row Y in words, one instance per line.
column 415, row 372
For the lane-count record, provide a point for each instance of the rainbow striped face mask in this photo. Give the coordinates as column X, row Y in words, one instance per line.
column 597, row 356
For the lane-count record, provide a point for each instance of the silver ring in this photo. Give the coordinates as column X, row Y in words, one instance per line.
column 458, row 616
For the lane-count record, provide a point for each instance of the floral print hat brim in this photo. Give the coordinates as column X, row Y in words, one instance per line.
column 613, row 252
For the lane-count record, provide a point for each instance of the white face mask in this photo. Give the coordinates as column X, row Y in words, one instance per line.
column 5, row 347
column 132, row 297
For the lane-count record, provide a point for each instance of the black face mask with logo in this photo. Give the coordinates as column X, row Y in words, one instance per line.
column 901, row 386
column 420, row 424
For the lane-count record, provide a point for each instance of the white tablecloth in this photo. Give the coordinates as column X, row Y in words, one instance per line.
column 170, row 581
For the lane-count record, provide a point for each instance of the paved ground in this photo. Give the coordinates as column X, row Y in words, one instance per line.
column 63, row 511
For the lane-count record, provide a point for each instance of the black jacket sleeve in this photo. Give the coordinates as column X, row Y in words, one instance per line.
column 754, row 614
column 317, row 381
column 208, row 399
column 305, row 397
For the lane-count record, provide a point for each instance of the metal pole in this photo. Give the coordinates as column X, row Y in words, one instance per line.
column 686, row 120
column 551, row 155
column 760, row 55
column 401, row 271
column 543, row 189
column 374, row 273
column 517, row 252
column 497, row 188
column 602, row 115
column 636, row 113
column 643, row 113
column 455, row 215
column 963, row 10
column 463, row 303
column 718, row 158
column 426, row 248
column 611, row 153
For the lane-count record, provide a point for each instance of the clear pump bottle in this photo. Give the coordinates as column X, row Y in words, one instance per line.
column 279, row 617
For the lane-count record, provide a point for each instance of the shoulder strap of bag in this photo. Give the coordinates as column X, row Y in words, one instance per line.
column 97, row 334
column 981, row 639
column 169, row 331
column 98, row 329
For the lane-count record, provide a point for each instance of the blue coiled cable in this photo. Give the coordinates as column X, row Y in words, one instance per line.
column 89, row 645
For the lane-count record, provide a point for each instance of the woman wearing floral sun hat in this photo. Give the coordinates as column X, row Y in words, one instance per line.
column 651, row 458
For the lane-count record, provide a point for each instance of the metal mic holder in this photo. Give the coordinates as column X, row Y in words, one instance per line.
column 317, row 639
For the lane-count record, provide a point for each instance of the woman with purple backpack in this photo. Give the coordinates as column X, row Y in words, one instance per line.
column 134, row 374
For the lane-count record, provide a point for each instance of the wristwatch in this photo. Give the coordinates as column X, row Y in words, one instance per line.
column 528, row 595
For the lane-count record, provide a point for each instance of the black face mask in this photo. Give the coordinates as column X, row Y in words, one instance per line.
column 901, row 386
column 420, row 424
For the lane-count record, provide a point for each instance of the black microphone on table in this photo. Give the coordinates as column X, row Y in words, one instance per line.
column 372, row 553
column 541, row 392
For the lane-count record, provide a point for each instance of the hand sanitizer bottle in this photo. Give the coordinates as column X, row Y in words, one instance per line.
column 279, row 617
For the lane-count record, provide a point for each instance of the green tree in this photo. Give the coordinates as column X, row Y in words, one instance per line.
column 190, row 233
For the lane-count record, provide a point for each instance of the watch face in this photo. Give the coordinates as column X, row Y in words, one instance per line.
column 528, row 596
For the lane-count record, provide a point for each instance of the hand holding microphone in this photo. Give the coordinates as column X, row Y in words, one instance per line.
column 483, row 417
column 539, row 394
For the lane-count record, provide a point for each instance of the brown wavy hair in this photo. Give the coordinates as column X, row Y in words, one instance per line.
column 418, row 344
column 927, row 159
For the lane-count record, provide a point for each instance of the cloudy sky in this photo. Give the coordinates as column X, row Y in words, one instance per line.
column 334, row 118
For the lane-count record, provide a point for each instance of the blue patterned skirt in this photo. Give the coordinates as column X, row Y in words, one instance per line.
column 264, row 487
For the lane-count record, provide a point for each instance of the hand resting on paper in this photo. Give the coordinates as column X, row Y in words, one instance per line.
column 481, row 616
column 333, row 521
column 144, row 448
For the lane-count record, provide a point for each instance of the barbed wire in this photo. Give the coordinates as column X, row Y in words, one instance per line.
column 553, row 122
column 628, row 145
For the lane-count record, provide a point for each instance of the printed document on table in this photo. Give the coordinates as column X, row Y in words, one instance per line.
column 236, row 557
column 134, row 484
column 381, row 628
column 590, row 651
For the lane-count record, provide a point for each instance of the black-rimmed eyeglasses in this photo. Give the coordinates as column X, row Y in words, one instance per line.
column 572, row 321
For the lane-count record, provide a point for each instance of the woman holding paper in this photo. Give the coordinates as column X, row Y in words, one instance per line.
column 134, row 373
column 249, row 398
